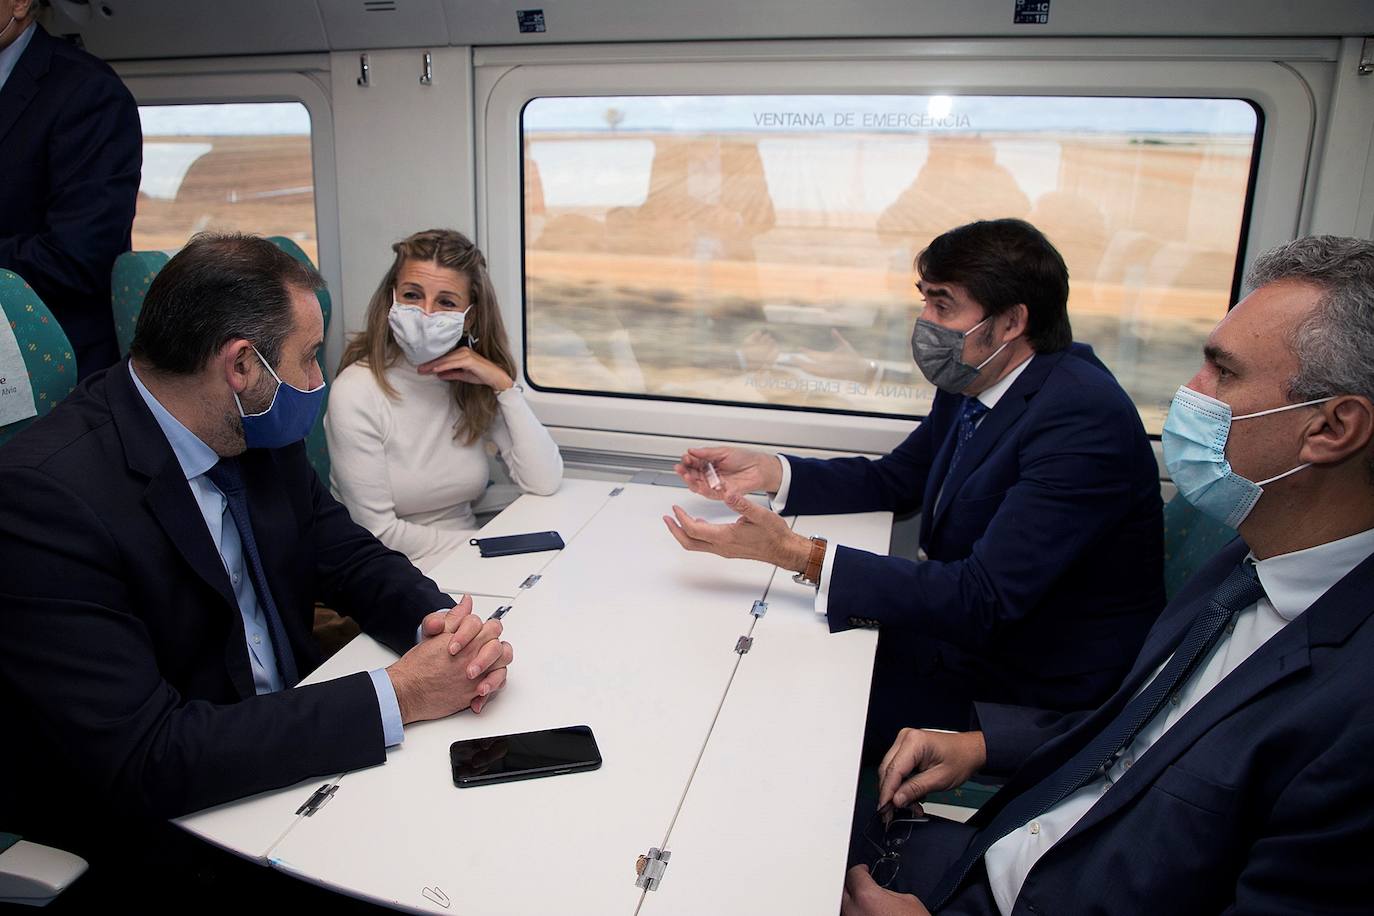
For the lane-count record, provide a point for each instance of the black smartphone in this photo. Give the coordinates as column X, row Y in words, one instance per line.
column 512, row 544
column 528, row 755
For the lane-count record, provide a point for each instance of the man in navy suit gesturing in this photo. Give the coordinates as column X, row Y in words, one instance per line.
column 1229, row 771
column 1041, row 520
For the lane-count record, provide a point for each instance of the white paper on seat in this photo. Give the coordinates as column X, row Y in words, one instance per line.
column 567, row 511
column 16, row 393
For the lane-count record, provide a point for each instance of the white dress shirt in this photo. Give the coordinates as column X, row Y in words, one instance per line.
column 1292, row 583
column 989, row 397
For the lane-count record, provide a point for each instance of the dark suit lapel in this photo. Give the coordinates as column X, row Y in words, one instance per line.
column 22, row 86
column 1329, row 621
column 998, row 420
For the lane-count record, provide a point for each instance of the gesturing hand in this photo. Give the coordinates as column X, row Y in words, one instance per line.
column 758, row 534
column 740, row 470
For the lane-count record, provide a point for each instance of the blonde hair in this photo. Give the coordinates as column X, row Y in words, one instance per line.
column 375, row 347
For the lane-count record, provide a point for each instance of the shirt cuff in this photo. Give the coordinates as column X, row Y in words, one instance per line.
column 779, row 499
column 393, row 730
column 827, row 567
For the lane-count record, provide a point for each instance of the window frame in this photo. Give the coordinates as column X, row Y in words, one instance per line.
column 507, row 79
column 206, row 83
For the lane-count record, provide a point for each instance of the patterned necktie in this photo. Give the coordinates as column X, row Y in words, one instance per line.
column 1239, row 590
column 969, row 416
column 227, row 476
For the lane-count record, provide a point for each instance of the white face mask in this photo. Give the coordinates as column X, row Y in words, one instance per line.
column 424, row 337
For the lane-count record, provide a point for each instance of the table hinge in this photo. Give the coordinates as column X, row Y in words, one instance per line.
column 617, row 491
column 744, row 644
column 649, row 868
column 500, row 612
column 317, row 801
column 760, row 608
column 530, row 582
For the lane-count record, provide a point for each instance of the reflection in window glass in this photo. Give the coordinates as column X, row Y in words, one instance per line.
column 758, row 249
column 231, row 167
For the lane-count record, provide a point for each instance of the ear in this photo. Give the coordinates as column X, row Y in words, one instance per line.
column 238, row 363
column 1014, row 321
column 1343, row 428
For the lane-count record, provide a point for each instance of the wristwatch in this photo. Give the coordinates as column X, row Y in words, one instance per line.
column 811, row 575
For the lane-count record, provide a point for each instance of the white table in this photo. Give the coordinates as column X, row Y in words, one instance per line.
column 627, row 633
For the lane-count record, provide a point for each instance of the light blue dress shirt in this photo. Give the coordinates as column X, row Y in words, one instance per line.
column 9, row 58
column 195, row 458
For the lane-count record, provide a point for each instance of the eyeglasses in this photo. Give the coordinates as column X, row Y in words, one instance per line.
column 889, row 838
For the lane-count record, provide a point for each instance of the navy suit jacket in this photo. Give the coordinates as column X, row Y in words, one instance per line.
column 1256, row 801
column 72, row 151
column 125, row 685
column 1045, row 551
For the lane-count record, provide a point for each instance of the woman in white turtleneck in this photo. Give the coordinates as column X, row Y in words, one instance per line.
column 419, row 394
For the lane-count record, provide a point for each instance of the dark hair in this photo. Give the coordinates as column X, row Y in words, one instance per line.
column 1003, row 263
column 217, row 289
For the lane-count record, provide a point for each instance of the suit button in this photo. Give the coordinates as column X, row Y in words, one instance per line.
column 1034, row 828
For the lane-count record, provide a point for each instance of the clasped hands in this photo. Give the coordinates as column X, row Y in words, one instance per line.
column 758, row 533
column 459, row 663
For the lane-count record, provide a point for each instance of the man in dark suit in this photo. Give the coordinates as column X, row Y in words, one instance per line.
column 1041, row 520
column 1229, row 772
column 72, row 148
column 165, row 541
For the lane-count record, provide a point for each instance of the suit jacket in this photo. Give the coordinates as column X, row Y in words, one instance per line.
column 72, row 148
column 125, row 684
column 1045, row 550
column 1256, row 801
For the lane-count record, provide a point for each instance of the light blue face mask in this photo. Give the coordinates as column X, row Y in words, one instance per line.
column 1194, row 440
column 287, row 419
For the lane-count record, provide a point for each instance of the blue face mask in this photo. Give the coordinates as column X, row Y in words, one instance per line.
column 287, row 419
column 1194, row 439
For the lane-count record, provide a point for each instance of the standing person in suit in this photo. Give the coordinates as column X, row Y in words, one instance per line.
column 73, row 149
column 164, row 542
column 1229, row 772
column 1041, row 527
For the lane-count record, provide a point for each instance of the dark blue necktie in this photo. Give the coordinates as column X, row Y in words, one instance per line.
column 1238, row 591
column 969, row 415
column 229, row 479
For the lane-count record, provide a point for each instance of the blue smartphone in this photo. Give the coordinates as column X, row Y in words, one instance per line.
column 512, row 544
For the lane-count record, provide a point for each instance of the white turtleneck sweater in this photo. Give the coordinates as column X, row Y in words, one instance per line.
column 401, row 473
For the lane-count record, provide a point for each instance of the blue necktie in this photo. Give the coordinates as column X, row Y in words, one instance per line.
column 1238, row 591
column 969, row 416
column 229, row 479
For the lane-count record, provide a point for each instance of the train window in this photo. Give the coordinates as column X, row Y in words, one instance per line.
column 757, row 250
column 232, row 167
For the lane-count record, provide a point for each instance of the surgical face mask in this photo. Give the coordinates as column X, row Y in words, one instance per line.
column 287, row 419
column 423, row 337
column 939, row 353
column 1194, row 439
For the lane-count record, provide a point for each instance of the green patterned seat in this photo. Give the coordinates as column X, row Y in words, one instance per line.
column 47, row 354
column 129, row 280
column 1190, row 540
column 315, row 447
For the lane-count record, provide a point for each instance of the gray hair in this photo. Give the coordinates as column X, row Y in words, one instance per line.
column 1335, row 343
